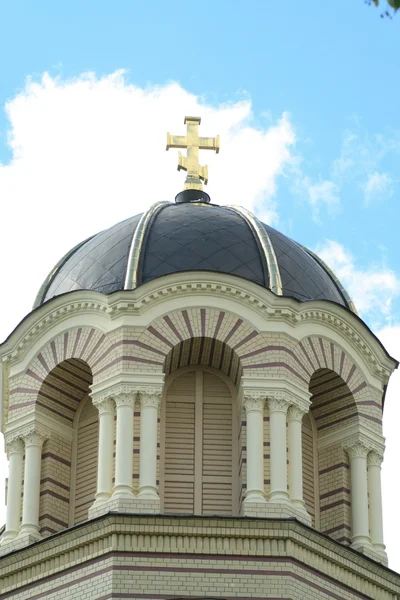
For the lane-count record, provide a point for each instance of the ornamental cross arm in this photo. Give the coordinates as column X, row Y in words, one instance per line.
column 196, row 173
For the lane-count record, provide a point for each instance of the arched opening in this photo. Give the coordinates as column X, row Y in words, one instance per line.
column 60, row 397
column 199, row 430
column 332, row 407
column 84, row 461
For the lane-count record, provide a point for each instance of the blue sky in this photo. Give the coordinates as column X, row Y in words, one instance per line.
column 304, row 95
column 332, row 66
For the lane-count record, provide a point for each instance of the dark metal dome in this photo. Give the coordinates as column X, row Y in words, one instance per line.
column 195, row 236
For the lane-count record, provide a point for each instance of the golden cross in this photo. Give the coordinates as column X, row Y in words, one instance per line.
column 190, row 163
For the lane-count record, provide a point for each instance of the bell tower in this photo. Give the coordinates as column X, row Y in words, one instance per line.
column 194, row 410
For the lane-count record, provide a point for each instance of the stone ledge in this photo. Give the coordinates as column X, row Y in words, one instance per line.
column 191, row 538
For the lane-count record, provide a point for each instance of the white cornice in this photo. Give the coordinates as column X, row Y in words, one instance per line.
column 198, row 286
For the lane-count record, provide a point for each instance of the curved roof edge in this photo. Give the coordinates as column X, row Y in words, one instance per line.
column 47, row 282
column 336, row 280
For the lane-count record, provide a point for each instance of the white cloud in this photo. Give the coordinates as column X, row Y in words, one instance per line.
column 321, row 193
column 89, row 152
column 373, row 290
column 377, row 185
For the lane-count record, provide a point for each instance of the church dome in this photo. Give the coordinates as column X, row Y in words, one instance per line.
column 193, row 236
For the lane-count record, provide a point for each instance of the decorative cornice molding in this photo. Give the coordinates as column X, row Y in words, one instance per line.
column 278, row 397
column 268, row 305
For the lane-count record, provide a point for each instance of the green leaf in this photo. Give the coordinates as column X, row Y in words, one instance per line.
column 395, row 4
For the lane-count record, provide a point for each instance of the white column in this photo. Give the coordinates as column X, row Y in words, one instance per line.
column 124, row 446
column 30, row 506
column 254, row 407
column 359, row 495
column 375, row 502
column 15, row 450
column 278, row 408
column 295, row 453
column 106, row 408
column 149, row 405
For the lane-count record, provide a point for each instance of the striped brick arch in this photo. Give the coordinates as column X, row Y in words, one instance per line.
column 338, row 387
column 170, row 332
column 204, row 351
column 66, row 362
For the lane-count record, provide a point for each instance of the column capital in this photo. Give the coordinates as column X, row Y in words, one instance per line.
column 295, row 413
column 150, row 396
column 361, row 445
column 374, row 459
column 16, row 444
column 253, row 400
column 34, row 436
column 125, row 399
column 105, row 404
column 357, row 450
column 278, row 402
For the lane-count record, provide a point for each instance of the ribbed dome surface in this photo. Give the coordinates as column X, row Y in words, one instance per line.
column 191, row 237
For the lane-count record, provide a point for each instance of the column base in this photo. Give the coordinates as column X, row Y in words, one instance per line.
column 377, row 553
column 361, row 542
column 10, row 545
column 123, row 503
column 250, row 508
column 301, row 511
column 146, row 504
column 31, row 531
column 279, row 497
column 99, row 507
column 9, row 536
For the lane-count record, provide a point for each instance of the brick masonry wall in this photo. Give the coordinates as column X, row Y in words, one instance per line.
column 55, row 486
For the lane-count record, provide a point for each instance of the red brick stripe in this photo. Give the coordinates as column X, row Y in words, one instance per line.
column 187, row 322
column 59, row 459
column 54, row 352
column 78, row 337
column 172, row 327
column 334, row 505
column 334, row 492
column 334, row 467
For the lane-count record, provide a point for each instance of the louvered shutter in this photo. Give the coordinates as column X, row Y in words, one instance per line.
column 86, row 464
column 179, row 445
column 217, row 497
column 308, row 467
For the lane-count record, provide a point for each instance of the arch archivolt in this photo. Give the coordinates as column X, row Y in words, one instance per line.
column 86, row 344
column 168, row 330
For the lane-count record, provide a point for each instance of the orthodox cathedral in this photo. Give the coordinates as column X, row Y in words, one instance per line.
column 192, row 410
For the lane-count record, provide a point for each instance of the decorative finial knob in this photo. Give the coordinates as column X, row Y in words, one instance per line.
column 196, row 174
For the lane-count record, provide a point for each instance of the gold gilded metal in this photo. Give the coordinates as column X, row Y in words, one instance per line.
column 275, row 281
column 132, row 270
column 196, row 173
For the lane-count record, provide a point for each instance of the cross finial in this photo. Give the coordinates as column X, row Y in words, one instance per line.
column 196, row 174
